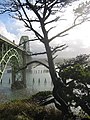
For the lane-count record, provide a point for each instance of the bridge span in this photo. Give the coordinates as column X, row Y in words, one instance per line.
column 14, row 56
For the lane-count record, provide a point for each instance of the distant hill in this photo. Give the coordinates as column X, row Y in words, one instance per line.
column 56, row 61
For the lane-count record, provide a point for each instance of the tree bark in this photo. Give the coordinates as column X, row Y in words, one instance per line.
column 51, row 63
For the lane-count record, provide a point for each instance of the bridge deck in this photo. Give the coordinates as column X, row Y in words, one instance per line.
column 4, row 39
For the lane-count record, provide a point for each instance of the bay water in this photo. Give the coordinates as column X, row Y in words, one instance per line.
column 37, row 79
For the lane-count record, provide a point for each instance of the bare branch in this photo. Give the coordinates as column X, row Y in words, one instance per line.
column 48, row 8
column 34, row 9
column 63, row 35
column 40, row 53
column 29, row 63
column 51, row 28
column 58, row 35
column 23, row 19
column 59, row 48
column 55, row 57
column 36, row 65
column 30, row 27
column 8, row 7
column 54, row 50
column 27, row 41
column 45, row 10
column 54, row 20
column 82, row 20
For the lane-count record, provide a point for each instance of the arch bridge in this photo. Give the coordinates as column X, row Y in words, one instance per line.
column 14, row 56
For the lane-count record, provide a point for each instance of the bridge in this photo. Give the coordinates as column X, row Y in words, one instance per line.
column 14, row 56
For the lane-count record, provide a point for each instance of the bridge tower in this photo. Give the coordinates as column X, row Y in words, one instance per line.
column 24, row 44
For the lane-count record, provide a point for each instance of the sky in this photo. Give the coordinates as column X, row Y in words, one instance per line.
column 77, row 40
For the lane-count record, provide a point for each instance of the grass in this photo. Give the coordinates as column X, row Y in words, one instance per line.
column 28, row 109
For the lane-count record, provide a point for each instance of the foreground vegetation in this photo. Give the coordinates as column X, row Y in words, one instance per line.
column 29, row 109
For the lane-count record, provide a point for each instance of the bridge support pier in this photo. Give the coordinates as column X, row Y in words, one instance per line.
column 13, row 75
column 20, row 84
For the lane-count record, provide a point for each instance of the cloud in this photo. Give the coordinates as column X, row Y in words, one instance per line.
column 78, row 39
column 15, row 31
column 6, row 33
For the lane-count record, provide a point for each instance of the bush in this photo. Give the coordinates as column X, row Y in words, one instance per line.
column 27, row 109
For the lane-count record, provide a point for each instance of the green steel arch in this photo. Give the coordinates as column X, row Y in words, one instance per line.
column 6, row 58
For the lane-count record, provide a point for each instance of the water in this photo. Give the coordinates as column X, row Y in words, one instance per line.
column 36, row 80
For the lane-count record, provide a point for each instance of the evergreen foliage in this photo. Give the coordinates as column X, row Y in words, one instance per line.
column 75, row 74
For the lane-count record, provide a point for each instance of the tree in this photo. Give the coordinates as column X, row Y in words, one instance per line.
column 42, row 10
column 75, row 74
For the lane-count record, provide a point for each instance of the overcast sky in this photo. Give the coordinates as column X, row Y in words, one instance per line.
column 78, row 39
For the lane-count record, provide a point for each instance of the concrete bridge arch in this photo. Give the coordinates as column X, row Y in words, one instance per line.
column 6, row 58
column 8, row 51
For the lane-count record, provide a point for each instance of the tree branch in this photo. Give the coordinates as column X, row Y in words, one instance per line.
column 51, row 29
column 32, row 7
column 58, row 48
column 64, row 31
column 29, row 63
column 54, row 20
column 27, row 41
column 40, row 53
